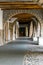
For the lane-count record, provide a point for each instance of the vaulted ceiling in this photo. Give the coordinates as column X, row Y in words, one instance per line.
column 23, row 16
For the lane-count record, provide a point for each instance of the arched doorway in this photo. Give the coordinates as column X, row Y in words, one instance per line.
column 24, row 25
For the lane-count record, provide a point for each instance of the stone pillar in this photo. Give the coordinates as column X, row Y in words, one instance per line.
column 5, row 32
column 38, row 31
column 26, row 31
column 34, row 32
column 31, row 30
column 14, row 32
column 8, row 32
column 41, row 29
column 17, row 29
column 1, row 27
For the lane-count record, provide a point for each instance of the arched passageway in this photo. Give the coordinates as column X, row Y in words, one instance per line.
column 24, row 25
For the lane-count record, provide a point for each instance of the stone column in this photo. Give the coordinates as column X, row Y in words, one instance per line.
column 5, row 32
column 42, row 29
column 14, row 32
column 26, row 31
column 8, row 32
column 17, row 29
column 31, row 30
column 38, row 30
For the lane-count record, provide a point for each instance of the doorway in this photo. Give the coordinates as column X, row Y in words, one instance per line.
column 22, row 32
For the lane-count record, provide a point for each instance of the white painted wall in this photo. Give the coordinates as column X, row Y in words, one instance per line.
column 1, row 27
column 1, row 19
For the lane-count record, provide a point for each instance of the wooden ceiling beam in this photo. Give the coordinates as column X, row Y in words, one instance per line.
column 19, row 5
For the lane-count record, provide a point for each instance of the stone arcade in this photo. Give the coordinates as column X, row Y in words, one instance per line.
column 21, row 32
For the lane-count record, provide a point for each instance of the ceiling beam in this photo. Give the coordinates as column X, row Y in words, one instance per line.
column 19, row 5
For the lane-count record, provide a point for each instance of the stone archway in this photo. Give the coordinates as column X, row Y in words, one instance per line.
column 25, row 17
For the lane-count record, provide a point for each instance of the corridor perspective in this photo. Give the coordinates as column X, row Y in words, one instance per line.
column 21, row 32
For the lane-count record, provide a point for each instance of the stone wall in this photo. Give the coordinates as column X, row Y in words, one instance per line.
column 36, row 12
column 1, row 37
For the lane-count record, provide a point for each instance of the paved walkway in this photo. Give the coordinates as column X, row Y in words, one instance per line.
column 21, row 46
